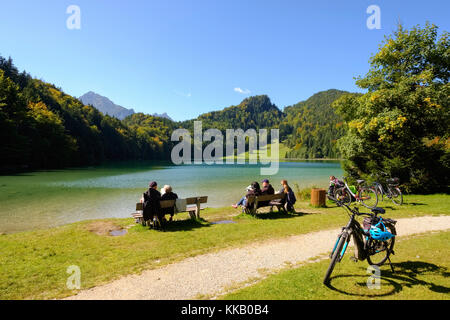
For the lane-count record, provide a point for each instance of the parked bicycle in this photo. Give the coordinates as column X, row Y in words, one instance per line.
column 365, row 195
column 390, row 189
column 374, row 242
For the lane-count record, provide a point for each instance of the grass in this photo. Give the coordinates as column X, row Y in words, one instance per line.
column 33, row 264
column 421, row 272
column 283, row 149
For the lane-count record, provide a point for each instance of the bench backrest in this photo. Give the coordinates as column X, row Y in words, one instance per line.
column 171, row 203
column 266, row 197
column 167, row 204
column 195, row 200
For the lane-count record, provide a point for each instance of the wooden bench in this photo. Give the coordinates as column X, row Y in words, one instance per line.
column 192, row 206
column 271, row 200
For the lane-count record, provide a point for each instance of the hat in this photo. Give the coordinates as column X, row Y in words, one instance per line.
column 152, row 184
column 265, row 181
column 255, row 186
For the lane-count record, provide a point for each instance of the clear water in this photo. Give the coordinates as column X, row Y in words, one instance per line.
column 118, row 233
column 223, row 222
column 50, row 198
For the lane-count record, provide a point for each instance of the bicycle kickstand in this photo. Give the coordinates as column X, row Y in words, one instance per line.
column 390, row 263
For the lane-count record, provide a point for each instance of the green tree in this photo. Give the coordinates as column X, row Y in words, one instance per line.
column 14, row 147
column 311, row 128
column 401, row 125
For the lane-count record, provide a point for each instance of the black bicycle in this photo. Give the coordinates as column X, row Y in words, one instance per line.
column 374, row 242
column 390, row 189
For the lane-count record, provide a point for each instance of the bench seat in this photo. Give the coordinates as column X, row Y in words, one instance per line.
column 192, row 207
column 269, row 200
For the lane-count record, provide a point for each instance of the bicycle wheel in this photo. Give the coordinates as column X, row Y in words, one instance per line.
column 379, row 251
column 336, row 255
column 379, row 191
column 368, row 197
column 396, row 196
column 342, row 195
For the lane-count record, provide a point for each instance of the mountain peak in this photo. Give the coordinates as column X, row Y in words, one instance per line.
column 105, row 105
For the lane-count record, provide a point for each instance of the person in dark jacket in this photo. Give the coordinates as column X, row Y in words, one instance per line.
column 168, row 195
column 290, row 196
column 267, row 189
column 151, row 202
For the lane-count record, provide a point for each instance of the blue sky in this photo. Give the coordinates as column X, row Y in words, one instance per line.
column 188, row 57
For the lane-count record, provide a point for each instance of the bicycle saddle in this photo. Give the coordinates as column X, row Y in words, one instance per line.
column 360, row 181
column 378, row 210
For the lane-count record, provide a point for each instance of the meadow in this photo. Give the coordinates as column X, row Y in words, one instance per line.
column 33, row 264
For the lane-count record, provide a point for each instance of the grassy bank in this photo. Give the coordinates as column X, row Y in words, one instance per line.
column 421, row 268
column 282, row 151
column 33, row 264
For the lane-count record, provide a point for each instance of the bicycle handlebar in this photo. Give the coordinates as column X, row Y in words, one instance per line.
column 354, row 211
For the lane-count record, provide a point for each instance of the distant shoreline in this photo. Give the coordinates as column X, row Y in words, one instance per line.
column 5, row 171
column 297, row 159
column 315, row 159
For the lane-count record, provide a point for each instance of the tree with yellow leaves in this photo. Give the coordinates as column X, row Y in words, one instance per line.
column 405, row 108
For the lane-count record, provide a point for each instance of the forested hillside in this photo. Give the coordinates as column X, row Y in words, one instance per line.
column 252, row 113
column 311, row 128
column 42, row 127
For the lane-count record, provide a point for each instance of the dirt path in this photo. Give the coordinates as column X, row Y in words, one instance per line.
column 210, row 274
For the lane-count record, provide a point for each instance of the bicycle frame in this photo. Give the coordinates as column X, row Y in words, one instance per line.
column 379, row 186
column 356, row 196
column 383, row 191
column 348, row 189
column 384, row 188
column 356, row 233
column 365, row 245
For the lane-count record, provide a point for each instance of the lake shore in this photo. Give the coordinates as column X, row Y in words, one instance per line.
column 39, row 199
column 34, row 264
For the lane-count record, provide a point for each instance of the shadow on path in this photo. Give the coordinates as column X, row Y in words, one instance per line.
column 405, row 276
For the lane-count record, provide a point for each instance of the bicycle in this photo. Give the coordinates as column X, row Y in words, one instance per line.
column 374, row 243
column 392, row 190
column 367, row 196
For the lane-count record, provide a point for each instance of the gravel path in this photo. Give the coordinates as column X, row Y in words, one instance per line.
column 210, row 274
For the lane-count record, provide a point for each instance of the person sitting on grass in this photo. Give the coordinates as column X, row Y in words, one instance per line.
column 151, row 199
column 168, row 195
column 252, row 190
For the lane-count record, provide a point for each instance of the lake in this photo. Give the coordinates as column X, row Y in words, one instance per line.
column 42, row 199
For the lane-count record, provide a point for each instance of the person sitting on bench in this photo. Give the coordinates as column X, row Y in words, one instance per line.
column 267, row 189
column 290, row 196
column 168, row 195
column 253, row 190
column 151, row 202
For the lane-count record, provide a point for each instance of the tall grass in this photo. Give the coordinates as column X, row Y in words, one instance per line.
column 303, row 194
